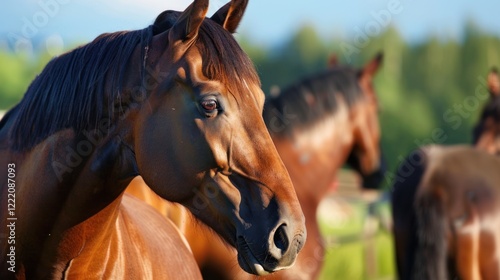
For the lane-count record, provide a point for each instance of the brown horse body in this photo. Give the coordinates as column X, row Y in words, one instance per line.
column 111, row 240
column 313, row 148
column 408, row 184
column 458, row 215
column 162, row 103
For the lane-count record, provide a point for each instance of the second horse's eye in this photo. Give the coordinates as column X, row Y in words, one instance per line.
column 209, row 105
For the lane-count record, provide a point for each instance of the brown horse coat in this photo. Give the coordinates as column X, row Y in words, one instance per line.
column 458, row 215
column 139, row 244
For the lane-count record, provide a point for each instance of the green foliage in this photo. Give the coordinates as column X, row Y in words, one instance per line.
column 16, row 73
column 349, row 261
column 355, row 254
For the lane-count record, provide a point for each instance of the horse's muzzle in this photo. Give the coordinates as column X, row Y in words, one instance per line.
column 283, row 247
column 374, row 180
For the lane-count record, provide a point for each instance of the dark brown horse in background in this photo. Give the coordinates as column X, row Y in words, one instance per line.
column 457, row 208
column 163, row 103
column 409, row 179
column 317, row 125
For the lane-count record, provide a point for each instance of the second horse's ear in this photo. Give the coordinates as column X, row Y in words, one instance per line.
column 494, row 83
column 369, row 70
column 230, row 15
column 372, row 66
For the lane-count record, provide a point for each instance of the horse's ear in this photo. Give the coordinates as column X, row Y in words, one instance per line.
column 230, row 15
column 371, row 67
column 365, row 75
column 187, row 25
column 333, row 61
column 494, row 83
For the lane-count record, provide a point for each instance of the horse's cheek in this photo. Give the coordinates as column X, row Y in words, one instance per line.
column 168, row 168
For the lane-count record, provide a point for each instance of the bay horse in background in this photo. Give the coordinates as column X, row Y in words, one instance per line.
column 317, row 125
column 486, row 135
column 163, row 103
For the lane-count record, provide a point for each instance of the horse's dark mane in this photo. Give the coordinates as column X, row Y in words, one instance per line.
column 311, row 99
column 491, row 110
column 77, row 89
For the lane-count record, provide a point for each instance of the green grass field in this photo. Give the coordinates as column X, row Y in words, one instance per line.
column 352, row 256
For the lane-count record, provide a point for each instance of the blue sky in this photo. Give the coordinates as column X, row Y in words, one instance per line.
column 267, row 22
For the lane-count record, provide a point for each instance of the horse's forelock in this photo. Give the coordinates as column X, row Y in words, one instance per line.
column 223, row 59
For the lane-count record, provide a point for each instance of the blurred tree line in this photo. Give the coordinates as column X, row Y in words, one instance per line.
column 429, row 92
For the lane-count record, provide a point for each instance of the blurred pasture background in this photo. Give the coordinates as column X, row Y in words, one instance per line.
column 431, row 87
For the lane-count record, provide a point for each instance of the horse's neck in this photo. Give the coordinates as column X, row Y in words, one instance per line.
column 313, row 156
column 58, row 186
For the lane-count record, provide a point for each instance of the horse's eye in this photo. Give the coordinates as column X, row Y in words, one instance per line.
column 210, row 107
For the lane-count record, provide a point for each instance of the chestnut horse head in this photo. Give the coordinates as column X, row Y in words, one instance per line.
column 178, row 103
column 334, row 114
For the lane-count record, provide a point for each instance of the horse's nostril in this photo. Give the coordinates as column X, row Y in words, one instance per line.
column 281, row 239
